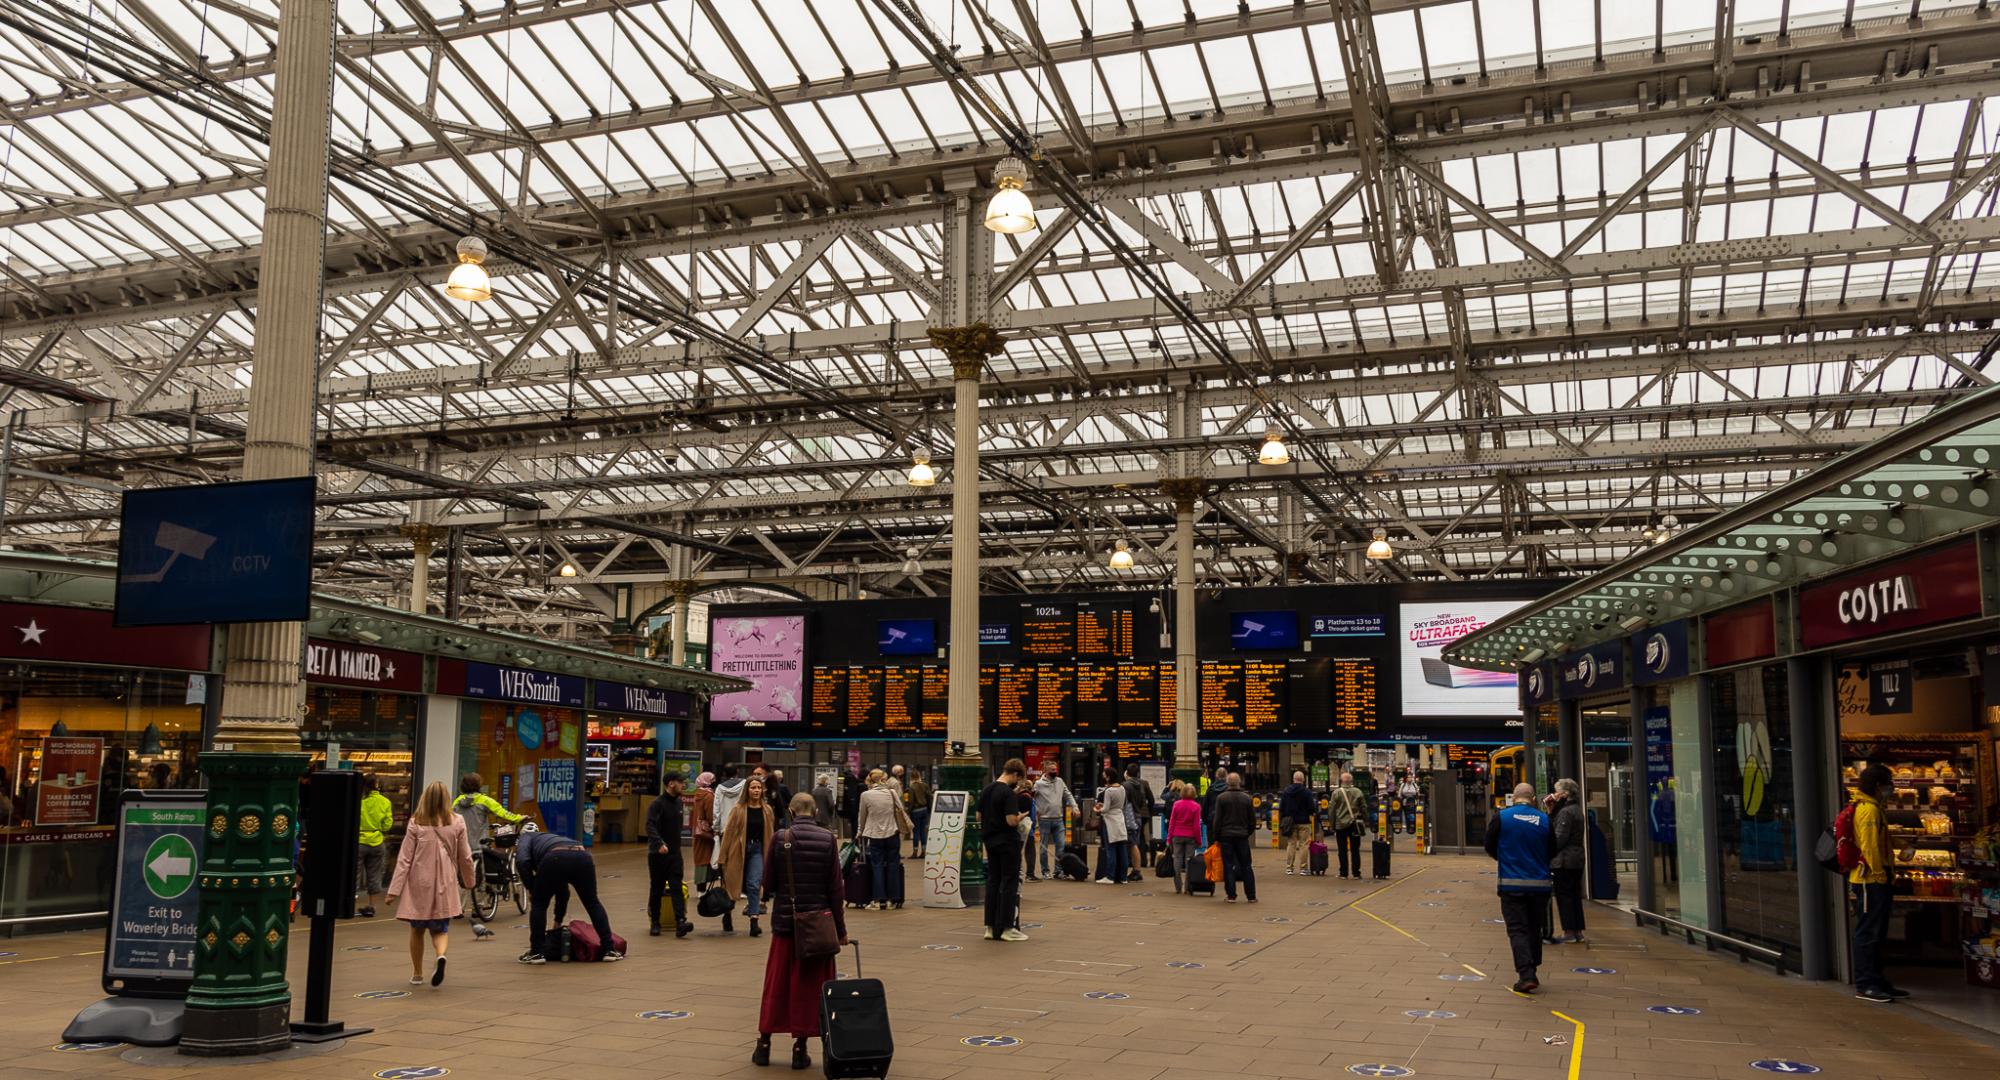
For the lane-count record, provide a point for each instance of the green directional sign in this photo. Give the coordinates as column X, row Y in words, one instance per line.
column 169, row 863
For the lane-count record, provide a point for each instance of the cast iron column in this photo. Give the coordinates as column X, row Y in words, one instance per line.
column 683, row 590
column 1185, row 492
column 422, row 536
column 240, row 1002
column 964, row 769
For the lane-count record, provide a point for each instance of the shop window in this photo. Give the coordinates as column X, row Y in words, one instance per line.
column 1756, row 813
column 71, row 739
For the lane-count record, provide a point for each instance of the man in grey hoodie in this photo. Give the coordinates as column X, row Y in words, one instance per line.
column 1052, row 797
column 728, row 792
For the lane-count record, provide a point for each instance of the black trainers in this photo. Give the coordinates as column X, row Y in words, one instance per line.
column 611, row 956
column 1526, row 986
column 1879, row 997
column 533, row 957
column 1896, row 992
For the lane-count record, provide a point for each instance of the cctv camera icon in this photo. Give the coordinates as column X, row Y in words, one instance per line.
column 178, row 540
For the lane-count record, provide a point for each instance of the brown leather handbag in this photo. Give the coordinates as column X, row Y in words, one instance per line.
column 814, row 936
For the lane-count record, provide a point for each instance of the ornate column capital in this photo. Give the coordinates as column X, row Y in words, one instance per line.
column 422, row 535
column 967, row 347
column 682, row 588
column 1185, row 491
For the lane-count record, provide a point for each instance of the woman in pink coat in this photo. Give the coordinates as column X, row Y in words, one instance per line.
column 434, row 864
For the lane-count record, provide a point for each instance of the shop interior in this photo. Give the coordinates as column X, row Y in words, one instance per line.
column 1924, row 715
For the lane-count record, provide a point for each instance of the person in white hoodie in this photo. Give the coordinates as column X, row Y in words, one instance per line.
column 1052, row 797
column 728, row 792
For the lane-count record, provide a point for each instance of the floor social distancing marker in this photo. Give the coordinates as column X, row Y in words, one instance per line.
column 990, row 1042
column 83, row 1047
column 382, row 995
column 1378, row 1068
column 664, row 1014
column 1674, row 1010
column 1781, row 1065
column 413, row 1072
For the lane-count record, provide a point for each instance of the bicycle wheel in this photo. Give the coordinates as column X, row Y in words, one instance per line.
column 485, row 901
column 520, row 898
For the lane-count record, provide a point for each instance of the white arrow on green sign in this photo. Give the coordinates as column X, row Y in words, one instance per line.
column 169, row 866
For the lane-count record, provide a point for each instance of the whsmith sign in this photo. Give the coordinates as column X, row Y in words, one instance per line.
column 520, row 684
column 642, row 701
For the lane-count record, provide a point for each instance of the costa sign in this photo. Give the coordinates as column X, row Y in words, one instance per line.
column 1922, row 590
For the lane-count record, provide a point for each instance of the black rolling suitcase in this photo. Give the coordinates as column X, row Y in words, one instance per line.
column 1074, row 868
column 859, row 883
column 854, row 1026
column 1382, row 850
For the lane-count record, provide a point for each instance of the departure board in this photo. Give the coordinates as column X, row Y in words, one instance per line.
column 1103, row 630
column 902, row 701
column 1048, row 630
column 1055, row 698
column 1169, row 700
column 864, row 700
column 937, row 695
column 1015, row 701
column 1264, row 698
column 1354, row 711
column 1097, row 699
column 827, row 701
column 1221, row 697
column 989, row 697
column 1309, row 697
column 1138, row 697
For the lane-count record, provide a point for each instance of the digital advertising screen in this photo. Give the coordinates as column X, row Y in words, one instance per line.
column 770, row 651
column 1432, row 687
column 906, row 637
column 1264, row 630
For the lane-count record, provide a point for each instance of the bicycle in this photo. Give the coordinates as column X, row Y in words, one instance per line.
column 498, row 878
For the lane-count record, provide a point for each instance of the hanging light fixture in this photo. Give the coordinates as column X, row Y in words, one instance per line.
column 469, row 280
column 1273, row 452
column 1121, row 555
column 1379, row 548
column 910, row 564
column 921, row 473
column 58, row 729
column 149, row 740
column 1010, row 210
column 568, row 569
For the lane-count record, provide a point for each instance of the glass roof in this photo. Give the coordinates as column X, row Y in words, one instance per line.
column 1531, row 277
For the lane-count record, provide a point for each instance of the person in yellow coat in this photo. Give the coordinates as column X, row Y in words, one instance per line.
column 1868, row 885
column 372, row 863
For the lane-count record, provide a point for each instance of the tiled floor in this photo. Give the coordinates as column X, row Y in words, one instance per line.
column 1322, row 975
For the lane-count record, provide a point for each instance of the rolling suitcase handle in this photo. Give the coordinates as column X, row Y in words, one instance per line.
column 857, row 958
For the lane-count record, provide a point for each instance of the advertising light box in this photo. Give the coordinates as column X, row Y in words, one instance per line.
column 770, row 651
column 1432, row 687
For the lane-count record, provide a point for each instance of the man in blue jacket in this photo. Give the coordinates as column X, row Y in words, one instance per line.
column 1522, row 840
column 1297, row 810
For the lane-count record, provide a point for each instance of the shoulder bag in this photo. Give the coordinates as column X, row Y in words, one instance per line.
column 813, row 933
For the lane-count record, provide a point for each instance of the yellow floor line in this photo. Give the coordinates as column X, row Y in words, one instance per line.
column 1357, row 905
column 1472, row 969
column 1575, row 1048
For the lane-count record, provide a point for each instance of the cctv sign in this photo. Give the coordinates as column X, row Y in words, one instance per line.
column 216, row 553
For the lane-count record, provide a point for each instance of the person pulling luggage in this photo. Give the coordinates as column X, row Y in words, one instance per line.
column 803, row 886
column 663, row 858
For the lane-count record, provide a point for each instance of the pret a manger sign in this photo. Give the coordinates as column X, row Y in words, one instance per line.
column 1903, row 594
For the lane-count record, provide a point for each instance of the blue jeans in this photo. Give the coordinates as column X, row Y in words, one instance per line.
column 883, row 851
column 920, row 825
column 1117, row 859
column 1871, row 925
column 753, row 881
column 1049, row 831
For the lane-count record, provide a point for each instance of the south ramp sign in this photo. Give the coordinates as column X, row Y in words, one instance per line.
column 149, row 948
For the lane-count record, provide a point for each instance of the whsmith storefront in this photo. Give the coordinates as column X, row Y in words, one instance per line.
column 1849, row 619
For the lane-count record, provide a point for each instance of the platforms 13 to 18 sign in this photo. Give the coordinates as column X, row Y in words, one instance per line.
column 150, row 943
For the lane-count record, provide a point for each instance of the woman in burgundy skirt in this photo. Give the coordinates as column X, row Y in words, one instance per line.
column 791, row 982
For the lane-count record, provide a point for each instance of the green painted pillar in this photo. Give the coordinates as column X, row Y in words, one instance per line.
column 968, row 774
column 240, row 1002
